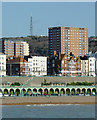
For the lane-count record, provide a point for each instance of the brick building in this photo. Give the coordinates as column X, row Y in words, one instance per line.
column 64, row 65
column 14, row 48
column 68, row 39
column 17, row 66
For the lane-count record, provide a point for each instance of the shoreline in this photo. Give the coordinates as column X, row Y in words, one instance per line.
column 51, row 104
column 48, row 100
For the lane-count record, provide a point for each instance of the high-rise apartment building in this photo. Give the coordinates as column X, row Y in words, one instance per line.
column 15, row 48
column 68, row 39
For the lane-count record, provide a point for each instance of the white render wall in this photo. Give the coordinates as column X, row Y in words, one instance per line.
column 2, row 64
column 38, row 65
column 92, row 66
column 25, row 48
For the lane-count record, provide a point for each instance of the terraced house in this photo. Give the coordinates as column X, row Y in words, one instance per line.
column 64, row 65
column 70, row 66
column 17, row 66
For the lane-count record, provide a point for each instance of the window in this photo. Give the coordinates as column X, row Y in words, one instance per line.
column 62, row 61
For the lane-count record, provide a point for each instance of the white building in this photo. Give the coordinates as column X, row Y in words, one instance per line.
column 38, row 65
column 92, row 66
column 2, row 64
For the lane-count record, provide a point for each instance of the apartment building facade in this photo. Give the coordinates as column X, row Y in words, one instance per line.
column 68, row 39
column 15, row 48
column 2, row 64
column 38, row 65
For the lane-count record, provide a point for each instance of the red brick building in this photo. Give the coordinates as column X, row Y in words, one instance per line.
column 17, row 67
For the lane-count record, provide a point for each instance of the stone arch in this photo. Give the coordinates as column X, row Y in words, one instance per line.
column 62, row 91
column 0, row 90
column 29, row 91
column 45, row 91
column 17, row 92
column 51, row 91
column 73, row 91
column 11, row 91
column 40, row 91
column 6, row 91
column 34, row 90
column 94, row 90
column 57, row 91
column 67, row 91
column 78, row 91
column 89, row 91
column 84, row 90
column 23, row 92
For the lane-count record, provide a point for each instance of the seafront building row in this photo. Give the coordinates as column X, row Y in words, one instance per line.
column 68, row 55
column 72, row 65
column 59, row 64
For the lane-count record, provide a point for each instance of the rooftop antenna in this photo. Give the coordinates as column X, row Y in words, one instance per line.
column 31, row 26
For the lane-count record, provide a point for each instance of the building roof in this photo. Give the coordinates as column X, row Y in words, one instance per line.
column 17, row 59
column 74, row 58
column 2, row 53
column 84, row 58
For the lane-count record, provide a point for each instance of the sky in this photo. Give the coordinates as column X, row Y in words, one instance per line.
column 16, row 17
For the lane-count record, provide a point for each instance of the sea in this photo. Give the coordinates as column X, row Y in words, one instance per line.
column 48, row 111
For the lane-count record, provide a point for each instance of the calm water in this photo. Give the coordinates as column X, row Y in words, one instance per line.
column 48, row 111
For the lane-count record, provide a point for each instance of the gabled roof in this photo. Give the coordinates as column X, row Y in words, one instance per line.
column 74, row 58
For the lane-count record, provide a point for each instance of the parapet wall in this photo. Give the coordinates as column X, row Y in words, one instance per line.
column 36, row 81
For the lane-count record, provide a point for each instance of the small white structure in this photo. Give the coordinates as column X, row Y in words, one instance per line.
column 38, row 65
column 2, row 64
column 92, row 66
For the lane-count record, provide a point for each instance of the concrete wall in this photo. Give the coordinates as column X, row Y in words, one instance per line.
column 36, row 81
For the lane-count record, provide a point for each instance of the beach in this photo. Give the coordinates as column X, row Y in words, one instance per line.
column 48, row 100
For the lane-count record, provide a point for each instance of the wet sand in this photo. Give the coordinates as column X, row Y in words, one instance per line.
column 48, row 100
